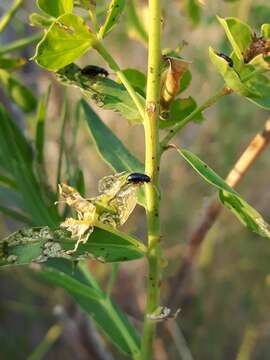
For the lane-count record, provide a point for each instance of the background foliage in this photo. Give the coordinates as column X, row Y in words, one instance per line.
column 226, row 300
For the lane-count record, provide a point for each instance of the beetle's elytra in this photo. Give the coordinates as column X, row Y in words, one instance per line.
column 137, row 178
column 94, row 70
column 227, row 58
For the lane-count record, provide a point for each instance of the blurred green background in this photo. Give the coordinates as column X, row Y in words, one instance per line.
column 225, row 314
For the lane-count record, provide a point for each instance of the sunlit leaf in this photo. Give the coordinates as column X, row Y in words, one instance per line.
column 231, row 78
column 41, row 244
column 229, row 197
column 65, row 41
column 265, row 31
column 55, row 7
column 239, row 34
column 115, row 9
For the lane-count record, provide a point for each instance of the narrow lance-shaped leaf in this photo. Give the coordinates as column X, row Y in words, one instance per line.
column 55, row 8
column 82, row 286
column 65, row 41
column 115, row 9
column 41, row 244
column 229, row 197
column 40, row 125
column 110, row 148
column 20, row 94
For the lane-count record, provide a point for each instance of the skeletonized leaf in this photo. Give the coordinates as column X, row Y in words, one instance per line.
column 105, row 92
column 41, row 244
column 229, row 197
column 65, row 41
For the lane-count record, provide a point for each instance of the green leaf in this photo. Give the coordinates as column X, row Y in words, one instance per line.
column 109, row 147
column 85, row 4
column 115, row 9
column 40, row 125
column 66, row 40
column 81, row 285
column 106, row 93
column 265, row 31
column 41, row 244
column 136, row 78
column 185, row 81
column 229, row 197
column 17, row 159
column 55, row 8
column 135, row 26
column 261, row 85
column 193, row 11
column 230, row 76
column 239, row 34
column 179, row 110
column 8, row 63
column 17, row 92
column 39, row 20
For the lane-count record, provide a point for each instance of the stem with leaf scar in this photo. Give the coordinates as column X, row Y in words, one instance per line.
column 152, row 161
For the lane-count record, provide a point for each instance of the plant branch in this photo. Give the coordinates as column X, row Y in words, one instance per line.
column 209, row 102
column 246, row 160
column 152, row 161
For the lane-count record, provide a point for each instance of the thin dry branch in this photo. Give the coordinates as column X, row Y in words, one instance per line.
column 249, row 156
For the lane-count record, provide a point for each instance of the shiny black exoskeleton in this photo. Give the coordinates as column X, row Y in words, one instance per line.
column 227, row 58
column 137, row 178
column 94, row 70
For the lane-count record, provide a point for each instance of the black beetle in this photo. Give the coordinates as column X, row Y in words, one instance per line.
column 137, row 178
column 227, row 58
column 94, row 70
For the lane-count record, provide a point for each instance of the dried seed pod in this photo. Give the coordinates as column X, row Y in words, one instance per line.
column 259, row 45
column 170, row 79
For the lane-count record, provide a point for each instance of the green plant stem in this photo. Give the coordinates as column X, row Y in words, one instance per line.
column 209, row 102
column 4, row 21
column 115, row 67
column 18, row 44
column 152, row 161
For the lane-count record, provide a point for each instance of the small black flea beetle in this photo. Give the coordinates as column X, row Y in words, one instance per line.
column 227, row 58
column 93, row 70
column 137, row 178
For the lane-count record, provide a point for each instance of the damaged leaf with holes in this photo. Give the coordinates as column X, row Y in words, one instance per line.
column 39, row 245
column 106, row 93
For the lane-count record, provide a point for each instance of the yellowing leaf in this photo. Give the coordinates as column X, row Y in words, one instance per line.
column 65, row 41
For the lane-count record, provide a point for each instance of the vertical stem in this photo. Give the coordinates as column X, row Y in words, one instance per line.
column 152, row 160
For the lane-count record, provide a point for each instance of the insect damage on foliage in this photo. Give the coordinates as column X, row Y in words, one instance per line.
column 114, row 204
